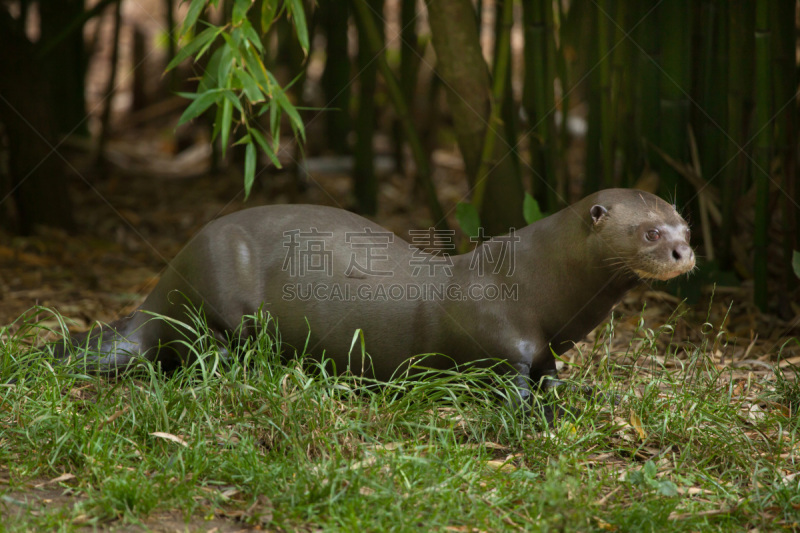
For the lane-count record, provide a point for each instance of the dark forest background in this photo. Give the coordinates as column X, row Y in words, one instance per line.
column 697, row 101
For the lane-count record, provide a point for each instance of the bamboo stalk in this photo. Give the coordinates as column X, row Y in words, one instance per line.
column 762, row 153
column 336, row 75
column 555, row 192
column 509, row 111
column 409, row 56
column 105, row 120
column 622, row 98
column 498, row 89
column 172, row 38
column 785, row 84
column 714, row 73
column 606, row 106
column 375, row 42
column 538, row 100
column 366, row 182
column 533, row 58
column 647, row 124
column 563, row 73
column 702, row 199
column 409, row 68
column 675, row 86
column 739, row 79
column 593, row 157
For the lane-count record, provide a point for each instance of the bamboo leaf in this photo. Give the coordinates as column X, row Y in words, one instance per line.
column 206, row 37
column 299, row 16
column 225, row 124
column 237, row 37
column 531, row 210
column 468, row 219
column 244, row 140
column 275, row 126
column 209, row 80
column 207, row 45
column 199, row 105
column 249, row 168
column 217, row 122
column 239, row 14
column 225, row 63
column 294, row 116
column 251, row 35
column 262, row 142
column 195, row 8
column 257, row 70
column 250, row 87
column 230, row 96
column 796, row 263
column 274, row 120
column 269, row 10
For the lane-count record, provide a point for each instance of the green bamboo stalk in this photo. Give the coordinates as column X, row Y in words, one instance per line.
column 169, row 8
column 336, row 75
column 606, row 109
column 498, row 89
column 647, row 124
column 762, row 153
column 509, row 111
column 374, row 42
column 430, row 124
column 366, row 182
column 593, row 157
column 563, row 72
column 534, row 96
column 409, row 56
column 532, row 91
column 556, row 192
column 785, row 84
column 622, row 96
column 740, row 57
column 409, row 68
column 105, row 120
column 70, row 27
column 713, row 83
column 675, row 85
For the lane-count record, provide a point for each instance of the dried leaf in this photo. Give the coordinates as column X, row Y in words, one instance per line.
column 636, row 422
column 170, row 436
column 59, row 479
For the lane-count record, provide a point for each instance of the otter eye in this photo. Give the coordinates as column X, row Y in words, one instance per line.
column 653, row 235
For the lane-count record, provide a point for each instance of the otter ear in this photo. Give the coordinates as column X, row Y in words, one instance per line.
column 598, row 213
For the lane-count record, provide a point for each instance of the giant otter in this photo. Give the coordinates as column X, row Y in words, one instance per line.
column 519, row 298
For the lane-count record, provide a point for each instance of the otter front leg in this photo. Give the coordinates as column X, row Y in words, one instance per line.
column 536, row 371
column 521, row 353
column 546, row 378
column 522, row 397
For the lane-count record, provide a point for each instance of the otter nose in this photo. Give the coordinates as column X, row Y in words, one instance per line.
column 682, row 252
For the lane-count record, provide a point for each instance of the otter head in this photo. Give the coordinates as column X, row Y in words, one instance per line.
column 644, row 235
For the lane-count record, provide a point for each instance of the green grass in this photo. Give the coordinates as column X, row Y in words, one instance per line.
column 675, row 443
